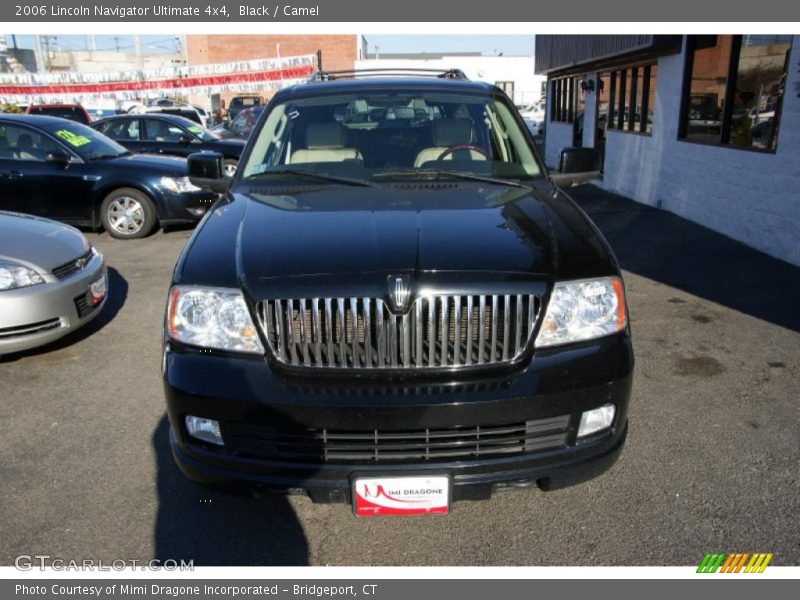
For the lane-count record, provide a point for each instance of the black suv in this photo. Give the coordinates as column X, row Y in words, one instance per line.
column 394, row 306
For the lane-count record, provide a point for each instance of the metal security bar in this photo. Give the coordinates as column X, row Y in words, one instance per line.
column 439, row 331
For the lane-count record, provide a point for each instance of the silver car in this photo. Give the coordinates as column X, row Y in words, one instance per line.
column 52, row 281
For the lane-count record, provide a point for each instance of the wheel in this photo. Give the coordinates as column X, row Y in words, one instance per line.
column 229, row 167
column 128, row 214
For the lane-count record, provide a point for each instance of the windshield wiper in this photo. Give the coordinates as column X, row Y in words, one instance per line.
column 442, row 173
column 314, row 175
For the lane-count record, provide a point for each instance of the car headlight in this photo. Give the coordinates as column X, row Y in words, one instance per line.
column 178, row 185
column 211, row 318
column 583, row 310
column 14, row 276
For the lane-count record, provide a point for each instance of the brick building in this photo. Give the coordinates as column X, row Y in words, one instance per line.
column 338, row 51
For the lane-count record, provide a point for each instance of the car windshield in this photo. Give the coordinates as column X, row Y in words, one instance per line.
column 85, row 141
column 198, row 130
column 376, row 135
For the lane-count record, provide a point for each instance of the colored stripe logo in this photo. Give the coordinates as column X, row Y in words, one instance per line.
column 734, row 562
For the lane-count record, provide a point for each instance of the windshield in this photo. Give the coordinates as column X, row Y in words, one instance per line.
column 85, row 141
column 379, row 134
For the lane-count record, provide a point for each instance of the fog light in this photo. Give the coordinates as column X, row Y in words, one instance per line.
column 596, row 420
column 206, row 430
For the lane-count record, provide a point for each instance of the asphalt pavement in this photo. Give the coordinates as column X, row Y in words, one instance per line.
column 711, row 461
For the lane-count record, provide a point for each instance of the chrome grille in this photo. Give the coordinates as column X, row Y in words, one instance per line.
column 439, row 331
column 73, row 266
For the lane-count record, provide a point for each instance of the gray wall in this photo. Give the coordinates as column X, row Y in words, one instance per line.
column 753, row 197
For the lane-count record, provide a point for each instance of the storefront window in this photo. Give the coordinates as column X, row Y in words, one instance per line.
column 735, row 89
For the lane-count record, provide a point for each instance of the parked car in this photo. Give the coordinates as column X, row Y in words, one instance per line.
column 241, row 126
column 395, row 313
column 187, row 112
column 69, row 172
column 169, row 134
column 73, row 112
column 240, row 103
column 52, row 281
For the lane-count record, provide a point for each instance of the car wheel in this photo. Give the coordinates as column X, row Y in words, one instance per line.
column 229, row 167
column 128, row 214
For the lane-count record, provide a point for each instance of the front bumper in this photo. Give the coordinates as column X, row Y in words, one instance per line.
column 188, row 207
column 34, row 316
column 556, row 383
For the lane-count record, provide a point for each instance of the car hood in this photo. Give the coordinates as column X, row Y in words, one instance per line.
column 39, row 242
column 168, row 165
column 270, row 238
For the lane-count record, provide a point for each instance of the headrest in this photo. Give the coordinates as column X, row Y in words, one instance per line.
column 325, row 135
column 452, row 132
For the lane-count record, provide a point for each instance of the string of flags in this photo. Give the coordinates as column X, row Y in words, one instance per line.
column 241, row 76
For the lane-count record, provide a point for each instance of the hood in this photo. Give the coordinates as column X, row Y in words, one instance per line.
column 270, row 239
column 39, row 242
column 168, row 165
column 393, row 229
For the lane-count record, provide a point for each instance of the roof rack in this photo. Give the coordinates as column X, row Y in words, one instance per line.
column 380, row 72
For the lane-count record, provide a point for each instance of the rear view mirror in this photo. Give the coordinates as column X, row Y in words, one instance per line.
column 576, row 166
column 206, row 170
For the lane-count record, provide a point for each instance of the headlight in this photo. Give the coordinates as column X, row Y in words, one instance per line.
column 13, row 276
column 582, row 310
column 178, row 185
column 211, row 318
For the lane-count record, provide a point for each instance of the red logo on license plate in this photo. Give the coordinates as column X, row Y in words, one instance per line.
column 402, row 496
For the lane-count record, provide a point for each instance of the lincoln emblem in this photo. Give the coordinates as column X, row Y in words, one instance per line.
column 399, row 292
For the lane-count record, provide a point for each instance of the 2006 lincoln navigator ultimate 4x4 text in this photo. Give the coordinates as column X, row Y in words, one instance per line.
column 394, row 306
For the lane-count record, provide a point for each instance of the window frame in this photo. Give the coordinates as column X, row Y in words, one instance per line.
column 564, row 91
column 622, row 98
column 730, row 90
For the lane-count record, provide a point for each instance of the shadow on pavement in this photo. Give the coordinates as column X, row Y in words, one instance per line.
column 117, row 295
column 674, row 251
column 220, row 528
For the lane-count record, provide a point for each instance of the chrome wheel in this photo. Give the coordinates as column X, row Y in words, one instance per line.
column 126, row 215
column 229, row 169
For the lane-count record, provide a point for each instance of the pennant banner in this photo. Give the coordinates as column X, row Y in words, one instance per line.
column 207, row 79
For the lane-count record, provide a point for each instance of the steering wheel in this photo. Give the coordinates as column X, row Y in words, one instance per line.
column 458, row 147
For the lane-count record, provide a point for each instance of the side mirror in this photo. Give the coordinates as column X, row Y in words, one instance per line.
column 576, row 166
column 206, row 170
column 186, row 139
column 58, row 157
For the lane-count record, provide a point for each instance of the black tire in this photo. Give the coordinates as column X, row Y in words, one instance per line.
column 229, row 163
column 138, row 224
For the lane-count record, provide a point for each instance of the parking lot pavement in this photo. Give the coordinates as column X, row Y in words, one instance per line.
column 711, row 461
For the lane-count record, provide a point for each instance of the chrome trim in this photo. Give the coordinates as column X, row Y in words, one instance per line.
column 439, row 331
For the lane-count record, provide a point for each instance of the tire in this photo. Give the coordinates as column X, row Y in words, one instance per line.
column 128, row 214
column 229, row 167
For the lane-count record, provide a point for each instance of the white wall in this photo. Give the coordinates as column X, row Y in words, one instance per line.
column 519, row 69
column 750, row 196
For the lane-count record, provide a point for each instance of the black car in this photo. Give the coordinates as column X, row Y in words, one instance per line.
column 394, row 309
column 69, row 172
column 169, row 134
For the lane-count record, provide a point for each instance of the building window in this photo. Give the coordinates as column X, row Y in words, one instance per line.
column 626, row 98
column 568, row 99
column 507, row 87
column 734, row 89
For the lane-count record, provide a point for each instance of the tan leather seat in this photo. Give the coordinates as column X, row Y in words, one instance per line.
column 325, row 143
column 446, row 134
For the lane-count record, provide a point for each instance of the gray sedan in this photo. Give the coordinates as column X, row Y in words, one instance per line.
column 52, row 281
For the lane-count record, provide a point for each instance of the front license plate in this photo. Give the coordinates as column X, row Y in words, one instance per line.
column 401, row 496
column 98, row 290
